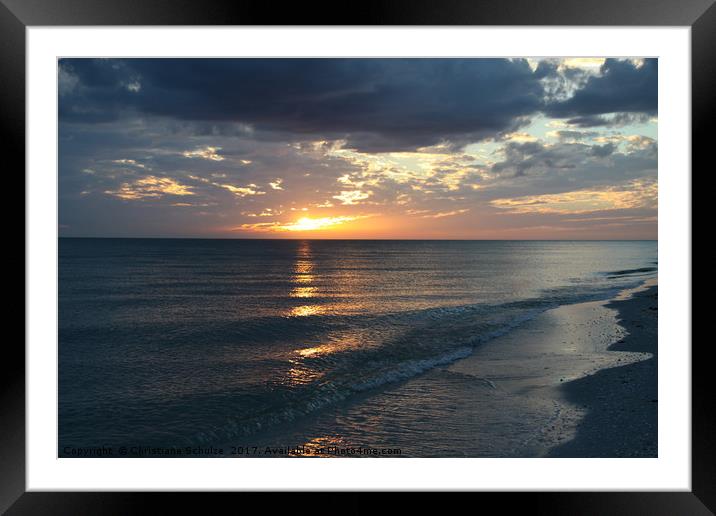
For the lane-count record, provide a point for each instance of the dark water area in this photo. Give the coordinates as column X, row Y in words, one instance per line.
column 173, row 342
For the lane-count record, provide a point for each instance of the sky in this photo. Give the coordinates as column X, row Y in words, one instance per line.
column 358, row 148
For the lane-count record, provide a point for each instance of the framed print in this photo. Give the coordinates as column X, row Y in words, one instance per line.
column 260, row 248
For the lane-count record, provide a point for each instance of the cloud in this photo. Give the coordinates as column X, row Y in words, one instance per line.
column 623, row 86
column 635, row 194
column 150, row 187
column 241, row 191
column 614, row 120
column 352, row 196
column 570, row 135
column 205, row 153
column 302, row 224
column 602, row 151
column 632, row 142
column 442, row 214
column 577, row 161
column 521, row 158
column 375, row 104
column 130, row 162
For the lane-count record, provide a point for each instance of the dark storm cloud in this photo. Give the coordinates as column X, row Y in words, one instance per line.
column 602, row 151
column 615, row 120
column 622, row 87
column 523, row 157
column 584, row 164
column 376, row 104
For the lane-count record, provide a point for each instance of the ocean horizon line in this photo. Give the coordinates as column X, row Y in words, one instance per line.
column 365, row 239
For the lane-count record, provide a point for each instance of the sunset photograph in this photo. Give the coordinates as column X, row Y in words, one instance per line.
column 357, row 257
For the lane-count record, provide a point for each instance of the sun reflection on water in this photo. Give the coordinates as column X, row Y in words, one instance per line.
column 306, row 310
column 309, row 352
column 324, row 446
column 304, row 278
column 303, row 292
column 303, row 266
column 300, row 374
column 327, row 349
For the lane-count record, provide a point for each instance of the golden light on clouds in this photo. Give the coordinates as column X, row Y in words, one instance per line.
column 131, row 162
column 352, row 197
column 633, row 142
column 150, row 187
column 520, row 137
column 442, row 214
column 636, row 194
column 589, row 63
column 210, row 153
column 586, row 63
column 242, row 191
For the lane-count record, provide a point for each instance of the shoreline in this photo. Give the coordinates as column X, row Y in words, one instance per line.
column 551, row 387
column 594, row 362
column 621, row 403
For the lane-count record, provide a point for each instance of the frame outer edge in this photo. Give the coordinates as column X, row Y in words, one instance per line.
column 12, row 372
column 385, row 12
column 703, row 71
column 12, row 130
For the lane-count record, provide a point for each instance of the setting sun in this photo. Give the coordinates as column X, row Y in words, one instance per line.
column 309, row 224
column 302, row 224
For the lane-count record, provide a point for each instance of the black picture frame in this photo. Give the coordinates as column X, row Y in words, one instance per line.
column 17, row 15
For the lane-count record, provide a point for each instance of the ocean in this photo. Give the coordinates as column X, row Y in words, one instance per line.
column 208, row 343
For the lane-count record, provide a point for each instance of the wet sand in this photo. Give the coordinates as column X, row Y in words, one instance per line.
column 621, row 403
column 596, row 362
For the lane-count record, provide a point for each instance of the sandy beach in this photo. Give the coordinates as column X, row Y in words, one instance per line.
column 596, row 362
column 621, row 403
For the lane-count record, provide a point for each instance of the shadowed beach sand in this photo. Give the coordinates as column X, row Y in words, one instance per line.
column 621, row 402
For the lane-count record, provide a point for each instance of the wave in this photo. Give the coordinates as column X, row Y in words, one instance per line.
column 628, row 272
column 446, row 335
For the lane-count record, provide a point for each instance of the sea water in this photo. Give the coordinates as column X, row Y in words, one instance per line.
column 196, row 343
